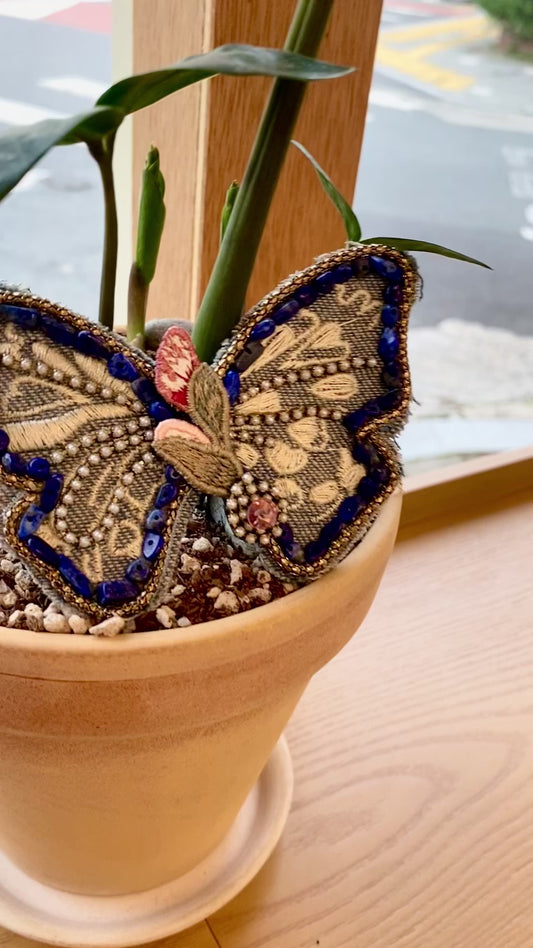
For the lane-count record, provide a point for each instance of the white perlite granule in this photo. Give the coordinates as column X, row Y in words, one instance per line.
column 79, row 624
column 108, row 627
column 227, row 602
column 235, row 572
column 55, row 622
column 34, row 617
column 202, row 545
column 166, row 617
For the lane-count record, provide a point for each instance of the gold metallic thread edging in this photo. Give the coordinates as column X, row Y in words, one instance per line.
column 369, row 432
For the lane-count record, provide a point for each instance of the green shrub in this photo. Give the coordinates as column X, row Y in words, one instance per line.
column 515, row 15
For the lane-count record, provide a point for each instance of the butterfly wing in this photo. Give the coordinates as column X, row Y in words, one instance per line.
column 318, row 380
column 95, row 513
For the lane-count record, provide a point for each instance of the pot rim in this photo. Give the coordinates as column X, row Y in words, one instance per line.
column 162, row 652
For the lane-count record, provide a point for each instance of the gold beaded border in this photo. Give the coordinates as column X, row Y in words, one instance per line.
column 369, row 432
column 145, row 365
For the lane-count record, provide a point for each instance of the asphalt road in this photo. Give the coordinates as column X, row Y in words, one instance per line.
column 420, row 176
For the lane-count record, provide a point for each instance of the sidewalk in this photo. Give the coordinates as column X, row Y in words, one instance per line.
column 454, row 57
column 473, row 387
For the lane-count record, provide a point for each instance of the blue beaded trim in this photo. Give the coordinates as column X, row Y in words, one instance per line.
column 110, row 593
column 377, row 476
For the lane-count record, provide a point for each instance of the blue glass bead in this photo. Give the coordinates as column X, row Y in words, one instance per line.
column 247, row 357
column 160, row 411
column 355, row 419
column 232, row 384
column 13, row 463
column 74, row 577
column 348, row 510
column 50, row 492
column 367, row 489
column 324, row 282
column 121, row 368
column 263, row 329
column 156, row 520
column 139, row 570
column 342, row 274
column 39, row 468
column 114, row 592
column 173, row 475
column 305, row 295
column 390, row 399
column 386, row 268
column 145, row 391
column 4, row 441
column 388, row 345
column 43, row 551
column 372, row 408
column 390, row 315
column 165, row 495
column 361, row 455
column 152, row 545
column 315, row 550
column 285, row 312
column 393, row 294
column 90, row 345
column 22, row 315
column 30, row 522
column 379, row 475
column 58, row 331
column 330, row 531
column 287, row 542
column 391, row 374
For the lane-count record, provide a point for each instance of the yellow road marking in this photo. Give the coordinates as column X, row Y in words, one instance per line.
column 414, row 60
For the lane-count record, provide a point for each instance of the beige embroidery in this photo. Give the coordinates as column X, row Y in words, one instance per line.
column 327, row 492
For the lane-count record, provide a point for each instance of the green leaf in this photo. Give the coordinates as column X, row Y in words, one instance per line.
column 22, row 147
column 151, row 216
column 231, row 197
column 136, row 92
column 353, row 228
column 405, row 243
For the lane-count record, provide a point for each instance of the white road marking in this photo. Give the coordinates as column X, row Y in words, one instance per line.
column 449, row 112
column 521, row 184
column 520, row 181
column 74, row 85
column 20, row 113
column 33, row 9
column 517, row 155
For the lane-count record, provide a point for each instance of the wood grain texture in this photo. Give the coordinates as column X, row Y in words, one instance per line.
column 163, row 32
column 413, row 752
column 198, row 937
column 205, row 135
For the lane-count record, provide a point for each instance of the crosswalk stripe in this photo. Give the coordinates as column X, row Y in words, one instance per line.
column 74, row 85
column 33, row 9
column 20, row 113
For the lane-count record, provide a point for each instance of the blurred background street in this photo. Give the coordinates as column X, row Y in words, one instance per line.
column 448, row 157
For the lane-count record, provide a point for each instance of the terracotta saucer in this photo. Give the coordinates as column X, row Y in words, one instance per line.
column 79, row 921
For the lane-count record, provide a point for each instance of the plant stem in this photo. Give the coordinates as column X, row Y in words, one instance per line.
column 137, row 302
column 224, row 298
column 102, row 152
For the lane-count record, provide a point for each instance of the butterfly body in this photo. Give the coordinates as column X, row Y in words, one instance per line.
column 290, row 433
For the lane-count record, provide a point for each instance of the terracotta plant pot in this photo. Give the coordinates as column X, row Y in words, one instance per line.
column 125, row 761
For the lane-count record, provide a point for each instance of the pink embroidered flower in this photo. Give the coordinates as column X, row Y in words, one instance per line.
column 175, row 362
column 175, row 427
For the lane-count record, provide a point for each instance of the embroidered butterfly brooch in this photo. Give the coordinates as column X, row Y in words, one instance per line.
column 105, row 452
